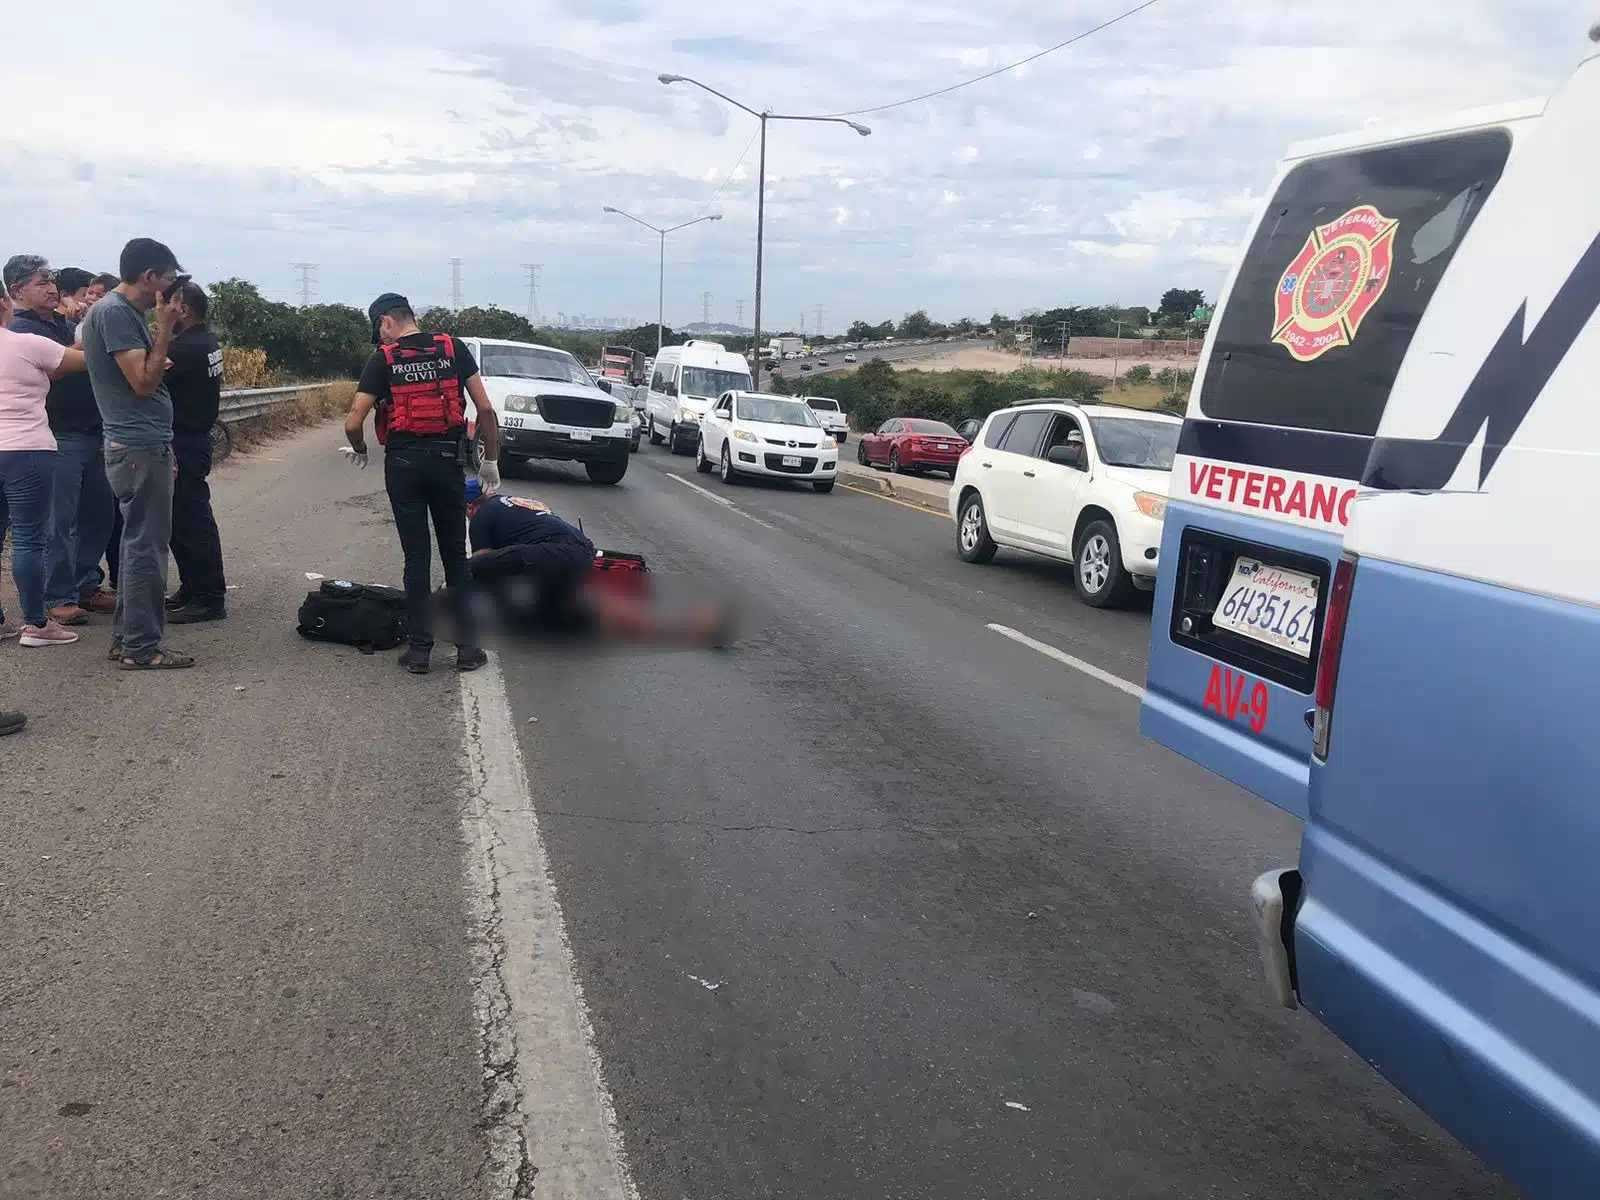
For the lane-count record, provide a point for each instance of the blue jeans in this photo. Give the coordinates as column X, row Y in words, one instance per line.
column 141, row 479
column 25, row 477
column 81, row 515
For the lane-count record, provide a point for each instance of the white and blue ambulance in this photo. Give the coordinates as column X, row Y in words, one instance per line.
column 1382, row 611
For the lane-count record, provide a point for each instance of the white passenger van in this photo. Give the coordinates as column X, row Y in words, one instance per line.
column 1441, row 917
column 684, row 383
column 1313, row 325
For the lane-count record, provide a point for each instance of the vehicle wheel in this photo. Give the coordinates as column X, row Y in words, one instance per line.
column 221, row 443
column 823, row 485
column 655, row 438
column 894, row 462
column 702, row 464
column 861, row 454
column 1102, row 580
column 604, row 471
column 973, row 542
column 725, row 471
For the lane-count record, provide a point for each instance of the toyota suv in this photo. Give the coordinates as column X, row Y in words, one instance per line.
column 1081, row 483
column 550, row 407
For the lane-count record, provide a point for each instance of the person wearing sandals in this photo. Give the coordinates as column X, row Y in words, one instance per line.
column 28, row 364
column 127, row 362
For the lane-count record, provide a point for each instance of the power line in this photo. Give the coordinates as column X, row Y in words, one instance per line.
column 308, row 285
column 533, row 270
column 455, row 284
column 733, row 168
column 944, row 91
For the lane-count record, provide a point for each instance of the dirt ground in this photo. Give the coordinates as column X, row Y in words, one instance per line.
column 970, row 358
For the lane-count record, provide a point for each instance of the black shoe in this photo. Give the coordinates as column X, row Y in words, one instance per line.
column 414, row 660
column 177, row 600
column 11, row 722
column 470, row 660
column 196, row 611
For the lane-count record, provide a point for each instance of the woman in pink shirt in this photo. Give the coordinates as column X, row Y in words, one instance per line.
column 27, row 449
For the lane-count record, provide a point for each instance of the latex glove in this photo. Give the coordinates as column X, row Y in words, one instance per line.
column 489, row 477
column 359, row 457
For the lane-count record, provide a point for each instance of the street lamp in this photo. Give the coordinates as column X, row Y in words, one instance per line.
column 761, row 189
column 661, row 277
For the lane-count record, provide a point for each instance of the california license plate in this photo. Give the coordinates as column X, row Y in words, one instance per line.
column 581, row 435
column 791, row 460
column 1271, row 605
column 511, row 422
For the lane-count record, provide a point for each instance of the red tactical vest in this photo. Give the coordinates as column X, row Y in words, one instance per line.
column 424, row 393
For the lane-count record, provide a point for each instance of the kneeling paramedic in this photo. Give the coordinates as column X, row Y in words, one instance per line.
column 539, row 571
column 418, row 383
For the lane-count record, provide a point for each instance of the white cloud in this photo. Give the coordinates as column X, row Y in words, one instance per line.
column 1116, row 168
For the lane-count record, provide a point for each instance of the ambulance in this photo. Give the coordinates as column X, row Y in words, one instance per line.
column 1385, row 612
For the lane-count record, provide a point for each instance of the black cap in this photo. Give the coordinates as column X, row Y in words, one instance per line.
column 385, row 303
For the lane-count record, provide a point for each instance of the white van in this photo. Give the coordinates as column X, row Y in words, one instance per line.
column 1440, row 919
column 684, row 384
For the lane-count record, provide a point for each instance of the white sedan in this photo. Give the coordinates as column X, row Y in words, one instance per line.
column 747, row 433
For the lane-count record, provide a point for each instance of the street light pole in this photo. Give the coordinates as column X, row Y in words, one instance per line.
column 661, row 271
column 761, row 190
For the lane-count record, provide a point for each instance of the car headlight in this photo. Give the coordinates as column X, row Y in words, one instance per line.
column 520, row 404
column 688, row 415
column 1150, row 504
column 743, row 435
column 624, row 412
column 829, row 444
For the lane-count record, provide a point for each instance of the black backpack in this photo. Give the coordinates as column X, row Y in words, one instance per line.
column 368, row 616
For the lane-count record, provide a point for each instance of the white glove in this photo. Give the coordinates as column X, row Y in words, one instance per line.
column 489, row 477
column 359, row 457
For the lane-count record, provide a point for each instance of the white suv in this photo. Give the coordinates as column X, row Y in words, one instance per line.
column 1082, row 483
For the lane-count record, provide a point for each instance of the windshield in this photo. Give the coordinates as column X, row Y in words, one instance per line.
column 775, row 412
column 821, row 405
column 937, row 428
column 524, row 362
column 1124, row 442
column 703, row 381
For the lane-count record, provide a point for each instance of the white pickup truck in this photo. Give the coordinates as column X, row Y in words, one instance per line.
column 830, row 417
column 550, row 407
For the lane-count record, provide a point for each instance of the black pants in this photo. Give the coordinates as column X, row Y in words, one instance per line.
column 426, row 479
column 538, row 588
column 196, row 545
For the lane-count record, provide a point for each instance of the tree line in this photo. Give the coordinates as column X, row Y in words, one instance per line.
column 332, row 341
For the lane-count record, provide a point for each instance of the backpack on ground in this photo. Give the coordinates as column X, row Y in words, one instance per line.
column 368, row 616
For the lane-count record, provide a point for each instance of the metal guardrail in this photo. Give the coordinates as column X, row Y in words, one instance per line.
column 241, row 404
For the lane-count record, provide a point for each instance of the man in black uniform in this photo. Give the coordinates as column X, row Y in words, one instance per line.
column 419, row 383
column 195, row 382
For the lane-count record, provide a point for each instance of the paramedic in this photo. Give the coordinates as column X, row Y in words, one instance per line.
column 418, row 383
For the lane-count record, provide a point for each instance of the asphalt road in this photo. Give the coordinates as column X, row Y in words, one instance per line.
column 875, row 903
column 836, row 362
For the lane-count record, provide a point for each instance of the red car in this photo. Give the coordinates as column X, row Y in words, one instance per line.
column 913, row 445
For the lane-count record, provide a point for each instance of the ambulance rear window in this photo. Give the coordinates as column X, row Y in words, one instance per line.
column 1338, row 276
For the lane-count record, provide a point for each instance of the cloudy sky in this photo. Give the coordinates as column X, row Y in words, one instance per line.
column 382, row 140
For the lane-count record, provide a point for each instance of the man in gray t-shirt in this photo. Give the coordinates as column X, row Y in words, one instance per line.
column 126, row 364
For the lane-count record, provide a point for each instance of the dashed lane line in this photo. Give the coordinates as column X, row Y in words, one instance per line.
column 550, row 1122
column 722, row 500
column 1077, row 664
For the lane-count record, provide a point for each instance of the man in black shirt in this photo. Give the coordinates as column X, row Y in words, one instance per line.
column 419, row 384
column 194, row 381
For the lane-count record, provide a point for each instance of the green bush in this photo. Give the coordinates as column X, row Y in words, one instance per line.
column 1138, row 373
column 878, row 392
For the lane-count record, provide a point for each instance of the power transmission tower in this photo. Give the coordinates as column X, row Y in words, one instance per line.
column 533, row 270
column 739, row 308
column 455, row 284
column 308, row 285
column 705, row 307
column 820, row 311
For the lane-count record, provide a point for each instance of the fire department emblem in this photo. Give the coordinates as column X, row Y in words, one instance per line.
column 1333, row 283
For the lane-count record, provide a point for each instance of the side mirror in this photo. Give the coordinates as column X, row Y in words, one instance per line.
column 672, row 388
column 1070, row 455
column 604, row 385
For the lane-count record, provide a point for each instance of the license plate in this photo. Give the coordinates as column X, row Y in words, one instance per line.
column 1269, row 604
column 579, row 435
column 943, row 446
column 791, row 460
column 511, row 422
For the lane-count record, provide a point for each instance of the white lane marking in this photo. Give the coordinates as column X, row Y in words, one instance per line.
column 722, row 500
column 1077, row 664
column 547, row 1107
